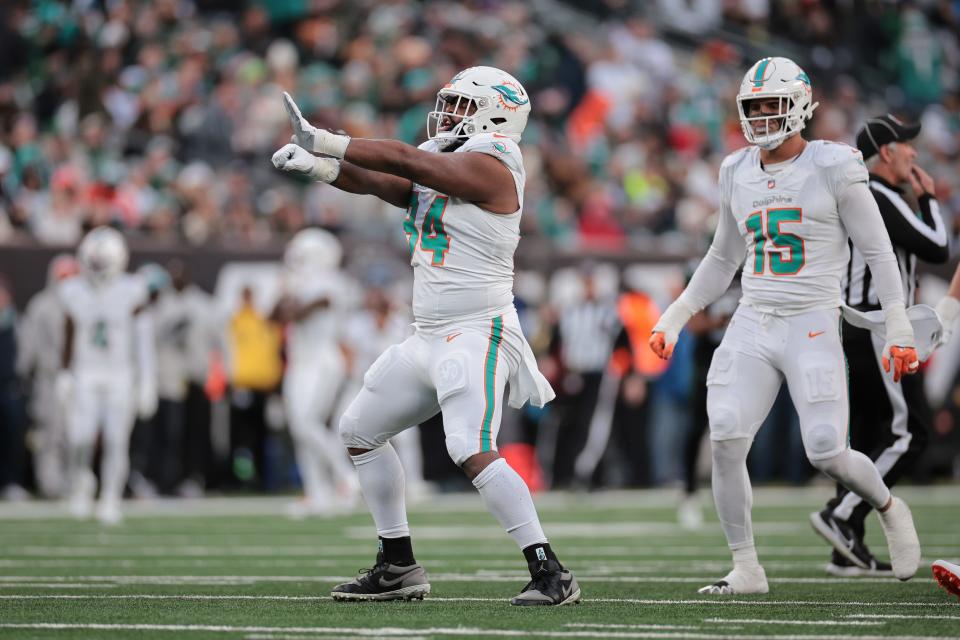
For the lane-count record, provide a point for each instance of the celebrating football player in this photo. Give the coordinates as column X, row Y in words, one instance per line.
column 463, row 192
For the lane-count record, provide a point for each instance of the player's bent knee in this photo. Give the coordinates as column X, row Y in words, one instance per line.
column 450, row 376
column 460, row 446
column 724, row 421
column 349, row 431
column 822, row 443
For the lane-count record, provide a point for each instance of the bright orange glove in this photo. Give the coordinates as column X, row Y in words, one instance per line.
column 905, row 361
column 660, row 346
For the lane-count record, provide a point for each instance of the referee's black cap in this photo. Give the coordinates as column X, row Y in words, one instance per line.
column 884, row 130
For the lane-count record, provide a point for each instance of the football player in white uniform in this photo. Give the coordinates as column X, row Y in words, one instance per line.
column 110, row 369
column 787, row 208
column 463, row 191
column 316, row 367
column 39, row 358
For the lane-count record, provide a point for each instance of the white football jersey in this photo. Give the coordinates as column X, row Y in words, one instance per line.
column 103, row 323
column 321, row 329
column 462, row 255
column 796, row 244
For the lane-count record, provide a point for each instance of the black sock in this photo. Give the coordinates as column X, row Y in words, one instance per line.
column 397, row 551
column 539, row 552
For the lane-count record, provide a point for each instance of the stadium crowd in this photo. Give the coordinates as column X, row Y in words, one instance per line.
column 159, row 118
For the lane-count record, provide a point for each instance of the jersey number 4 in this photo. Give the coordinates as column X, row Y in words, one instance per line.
column 787, row 257
column 431, row 236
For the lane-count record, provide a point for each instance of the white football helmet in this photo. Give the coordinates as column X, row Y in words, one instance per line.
column 776, row 78
column 103, row 255
column 312, row 251
column 495, row 102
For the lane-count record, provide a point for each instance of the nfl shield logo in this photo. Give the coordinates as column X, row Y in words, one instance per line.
column 771, row 184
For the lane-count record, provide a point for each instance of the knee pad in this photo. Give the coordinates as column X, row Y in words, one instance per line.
column 724, row 419
column 348, row 431
column 450, row 375
column 459, row 445
column 823, row 442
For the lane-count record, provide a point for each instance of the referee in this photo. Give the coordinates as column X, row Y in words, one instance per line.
column 889, row 422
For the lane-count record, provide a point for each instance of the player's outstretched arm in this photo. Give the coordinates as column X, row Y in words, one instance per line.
column 861, row 217
column 709, row 282
column 345, row 176
column 476, row 177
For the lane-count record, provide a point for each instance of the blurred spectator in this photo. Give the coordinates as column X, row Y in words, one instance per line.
column 255, row 371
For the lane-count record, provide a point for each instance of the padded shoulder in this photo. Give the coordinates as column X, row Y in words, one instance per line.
column 831, row 154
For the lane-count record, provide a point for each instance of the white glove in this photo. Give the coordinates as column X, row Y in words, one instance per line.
column 294, row 159
column 146, row 397
column 948, row 309
column 63, row 388
column 311, row 138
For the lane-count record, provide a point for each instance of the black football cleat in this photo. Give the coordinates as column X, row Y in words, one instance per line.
column 385, row 582
column 551, row 585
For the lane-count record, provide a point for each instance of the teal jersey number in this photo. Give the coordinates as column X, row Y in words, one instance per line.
column 789, row 258
column 99, row 338
column 432, row 237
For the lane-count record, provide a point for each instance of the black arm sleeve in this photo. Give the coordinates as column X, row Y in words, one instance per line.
column 924, row 236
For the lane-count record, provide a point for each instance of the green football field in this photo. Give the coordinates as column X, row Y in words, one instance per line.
column 236, row 568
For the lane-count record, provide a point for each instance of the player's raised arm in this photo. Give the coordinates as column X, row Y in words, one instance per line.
column 709, row 282
column 861, row 218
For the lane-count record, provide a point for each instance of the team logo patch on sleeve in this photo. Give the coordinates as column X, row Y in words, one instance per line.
column 500, row 147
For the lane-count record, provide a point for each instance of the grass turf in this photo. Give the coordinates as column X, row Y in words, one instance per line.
column 236, row 568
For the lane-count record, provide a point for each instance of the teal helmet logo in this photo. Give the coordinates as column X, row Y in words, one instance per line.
column 510, row 95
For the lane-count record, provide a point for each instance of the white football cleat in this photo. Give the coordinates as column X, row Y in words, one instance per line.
column 108, row 513
column 742, row 580
column 902, row 540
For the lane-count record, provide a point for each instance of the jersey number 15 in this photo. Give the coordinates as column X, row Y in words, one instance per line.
column 787, row 257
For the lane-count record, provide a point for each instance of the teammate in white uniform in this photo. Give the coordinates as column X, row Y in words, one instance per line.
column 40, row 358
column 316, row 368
column 463, row 190
column 109, row 366
column 787, row 207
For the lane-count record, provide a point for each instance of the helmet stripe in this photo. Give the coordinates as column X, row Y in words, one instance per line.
column 758, row 76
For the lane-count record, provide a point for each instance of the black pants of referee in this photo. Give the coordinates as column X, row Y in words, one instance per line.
column 889, row 421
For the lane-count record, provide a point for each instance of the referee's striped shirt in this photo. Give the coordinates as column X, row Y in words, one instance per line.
column 913, row 234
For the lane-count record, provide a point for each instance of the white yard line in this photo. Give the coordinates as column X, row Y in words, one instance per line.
column 815, row 623
column 480, row 576
column 898, row 616
column 447, row 631
column 720, row 601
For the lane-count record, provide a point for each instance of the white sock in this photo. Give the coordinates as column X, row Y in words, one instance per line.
column 857, row 473
column 732, row 493
column 508, row 498
column 381, row 481
column 745, row 557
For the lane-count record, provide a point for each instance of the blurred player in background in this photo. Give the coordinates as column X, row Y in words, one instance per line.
column 109, row 362
column 312, row 303
column 463, row 191
column 789, row 205
column 39, row 360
